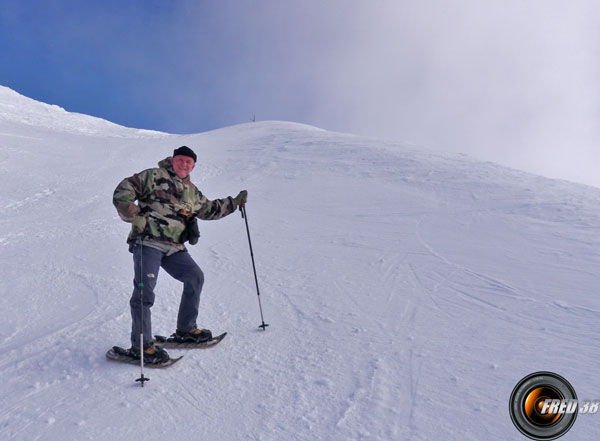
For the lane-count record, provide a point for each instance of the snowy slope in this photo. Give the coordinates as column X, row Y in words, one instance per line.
column 18, row 110
column 407, row 291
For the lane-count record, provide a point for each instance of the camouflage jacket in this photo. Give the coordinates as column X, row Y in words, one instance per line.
column 165, row 202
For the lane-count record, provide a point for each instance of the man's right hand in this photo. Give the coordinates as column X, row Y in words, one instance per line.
column 139, row 223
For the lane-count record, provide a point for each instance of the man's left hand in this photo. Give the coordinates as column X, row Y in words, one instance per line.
column 241, row 198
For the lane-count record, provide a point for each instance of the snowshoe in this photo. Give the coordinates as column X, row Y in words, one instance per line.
column 194, row 335
column 128, row 356
column 177, row 342
column 152, row 355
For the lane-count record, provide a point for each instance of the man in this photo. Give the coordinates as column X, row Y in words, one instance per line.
column 162, row 220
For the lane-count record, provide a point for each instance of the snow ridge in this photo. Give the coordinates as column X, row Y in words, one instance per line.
column 18, row 109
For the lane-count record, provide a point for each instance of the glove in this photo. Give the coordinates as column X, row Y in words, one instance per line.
column 241, row 198
column 139, row 224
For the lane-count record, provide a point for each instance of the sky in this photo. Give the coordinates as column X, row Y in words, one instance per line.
column 509, row 81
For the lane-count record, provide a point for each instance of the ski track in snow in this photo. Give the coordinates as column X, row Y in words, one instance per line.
column 30, row 200
column 407, row 291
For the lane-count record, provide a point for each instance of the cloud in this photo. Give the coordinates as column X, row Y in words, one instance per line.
column 486, row 78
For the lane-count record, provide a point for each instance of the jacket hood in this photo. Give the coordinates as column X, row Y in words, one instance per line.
column 166, row 164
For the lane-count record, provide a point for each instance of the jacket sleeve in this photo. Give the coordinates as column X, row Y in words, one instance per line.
column 213, row 210
column 136, row 187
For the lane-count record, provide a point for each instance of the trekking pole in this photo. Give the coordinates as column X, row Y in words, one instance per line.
column 141, row 287
column 243, row 210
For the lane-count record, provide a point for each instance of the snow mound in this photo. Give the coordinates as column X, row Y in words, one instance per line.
column 18, row 109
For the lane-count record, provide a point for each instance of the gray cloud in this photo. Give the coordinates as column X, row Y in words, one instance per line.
column 514, row 82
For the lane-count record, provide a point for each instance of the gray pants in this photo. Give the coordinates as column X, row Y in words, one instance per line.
column 181, row 267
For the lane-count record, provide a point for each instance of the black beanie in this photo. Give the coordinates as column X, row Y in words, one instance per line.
column 185, row 151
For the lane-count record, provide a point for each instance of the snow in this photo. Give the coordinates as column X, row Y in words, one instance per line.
column 20, row 110
column 407, row 291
